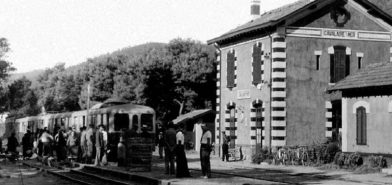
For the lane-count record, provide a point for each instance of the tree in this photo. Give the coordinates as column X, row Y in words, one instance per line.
column 5, row 69
column 21, row 99
column 5, row 66
column 193, row 66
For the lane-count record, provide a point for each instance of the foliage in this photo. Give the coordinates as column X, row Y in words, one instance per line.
column 376, row 161
column 172, row 78
column 5, row 69
column 21, row 99
column 263, row 155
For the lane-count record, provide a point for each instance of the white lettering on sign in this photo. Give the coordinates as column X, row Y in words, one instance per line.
column 339, row 33
column 243, row 94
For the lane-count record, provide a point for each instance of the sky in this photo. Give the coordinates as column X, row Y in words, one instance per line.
column 43, row 33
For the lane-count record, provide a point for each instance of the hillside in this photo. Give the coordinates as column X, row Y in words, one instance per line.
column 131, row 52
column 31, row 75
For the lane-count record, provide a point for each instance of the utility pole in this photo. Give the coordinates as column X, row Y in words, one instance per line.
column 88, row 104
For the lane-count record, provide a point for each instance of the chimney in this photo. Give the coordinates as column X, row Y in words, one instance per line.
column 255, row 9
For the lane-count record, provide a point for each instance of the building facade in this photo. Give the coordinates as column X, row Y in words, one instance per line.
column 275, row 70
column 367, row 110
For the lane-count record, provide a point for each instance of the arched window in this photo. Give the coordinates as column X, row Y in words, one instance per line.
column 361, row 126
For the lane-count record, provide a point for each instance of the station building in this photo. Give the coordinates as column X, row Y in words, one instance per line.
column 274, row 71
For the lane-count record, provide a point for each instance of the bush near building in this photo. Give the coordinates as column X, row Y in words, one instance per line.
column 327, row 156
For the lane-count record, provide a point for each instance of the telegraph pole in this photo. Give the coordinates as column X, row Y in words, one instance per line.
column 88, row 104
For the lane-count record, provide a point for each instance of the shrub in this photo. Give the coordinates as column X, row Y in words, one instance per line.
column 330, row 152
column 377, row 161
column 262, row 156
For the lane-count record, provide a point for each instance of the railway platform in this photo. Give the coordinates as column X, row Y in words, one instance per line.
column 242, row 172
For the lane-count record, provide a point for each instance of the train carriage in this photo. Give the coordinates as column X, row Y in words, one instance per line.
column 115, row 117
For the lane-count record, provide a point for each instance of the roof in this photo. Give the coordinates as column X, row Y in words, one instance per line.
column 191, row 115
column 274, row 17
column 374, row 75
column 266, row 19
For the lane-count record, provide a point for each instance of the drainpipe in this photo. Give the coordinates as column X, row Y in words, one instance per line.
column 270, row 86
column 220, row 99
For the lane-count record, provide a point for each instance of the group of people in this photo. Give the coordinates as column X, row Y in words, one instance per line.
column 88, row 145
column 171, row 141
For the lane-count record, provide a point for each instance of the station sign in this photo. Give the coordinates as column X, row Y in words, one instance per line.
column 243, row 94
column 338, row 34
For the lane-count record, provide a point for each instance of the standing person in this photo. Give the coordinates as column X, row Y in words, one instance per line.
column 90, row 143
column 12, row 144
column 121, row 153
column 225, row 147
column 46, row 140
column 105, row 145
column 170, row 145
column 61, row 143
column 27, row 144
column 98, row 145
column 182, row 163
column 72, row 143
column 198, row 131
column 161, row 144
column 83, row 145
column 205, row 150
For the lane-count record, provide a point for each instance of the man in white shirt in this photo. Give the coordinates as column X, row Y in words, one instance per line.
column 205, row 151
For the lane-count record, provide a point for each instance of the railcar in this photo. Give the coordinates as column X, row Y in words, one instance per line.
column 115, row 118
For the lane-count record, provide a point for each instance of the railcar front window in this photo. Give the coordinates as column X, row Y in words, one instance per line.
column 147, row 119
column 121, row 121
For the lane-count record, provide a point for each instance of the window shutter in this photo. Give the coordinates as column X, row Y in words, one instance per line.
column 230, row 69
column 332, row 68
column 359, row 127
column 347, row 65
column 256, row 64
column 363, row 111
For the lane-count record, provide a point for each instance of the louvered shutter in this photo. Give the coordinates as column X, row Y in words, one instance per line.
column 230, row 69
column 256, row 64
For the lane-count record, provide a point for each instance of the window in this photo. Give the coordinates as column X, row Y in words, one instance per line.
column 317, row 62
column 257, row 63
column 135, row 121
column 230, row 69
column 148, row 120
column 361, row 126
column 339, row 64
column 121, row 121
column 359, row 62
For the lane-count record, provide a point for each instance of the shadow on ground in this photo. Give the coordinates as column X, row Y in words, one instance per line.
column 275, row 175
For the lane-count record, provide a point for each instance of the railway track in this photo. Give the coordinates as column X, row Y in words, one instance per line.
column 89, row 175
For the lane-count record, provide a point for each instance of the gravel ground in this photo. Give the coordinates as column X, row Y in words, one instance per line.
column 10, row 175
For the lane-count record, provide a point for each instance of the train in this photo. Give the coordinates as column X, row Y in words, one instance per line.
column 115, row 116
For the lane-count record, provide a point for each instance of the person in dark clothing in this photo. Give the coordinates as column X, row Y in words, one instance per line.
column 99, row 145
column 61, row 145
column 182, row 163
column 170, row 145
column 11, row 146
column 27, row 142
column 225, row 147
column 161, row 144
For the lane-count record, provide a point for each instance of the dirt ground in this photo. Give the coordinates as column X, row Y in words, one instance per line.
column 17, row 174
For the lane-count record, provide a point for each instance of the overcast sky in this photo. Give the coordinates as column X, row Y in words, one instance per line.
column 45, row 32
